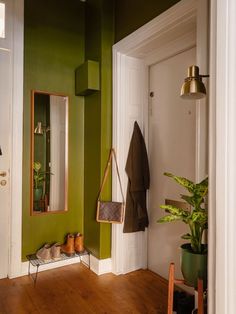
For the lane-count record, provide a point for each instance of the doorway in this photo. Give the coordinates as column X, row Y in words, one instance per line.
column 181, row 28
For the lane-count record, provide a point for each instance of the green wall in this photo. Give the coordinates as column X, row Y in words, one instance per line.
column 99, row 38
column 59, row 36
column 132, row 14
column 54, row 47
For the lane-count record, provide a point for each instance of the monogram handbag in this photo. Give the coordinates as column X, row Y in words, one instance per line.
column 109, row 211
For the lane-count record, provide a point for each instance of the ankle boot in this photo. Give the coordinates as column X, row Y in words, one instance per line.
column 69, row 247
column 79, row 243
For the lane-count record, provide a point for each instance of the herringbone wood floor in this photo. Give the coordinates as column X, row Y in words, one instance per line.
column 77, row 290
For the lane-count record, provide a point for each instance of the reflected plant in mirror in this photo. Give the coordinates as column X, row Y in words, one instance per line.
column 49, row 141
column 39, row 180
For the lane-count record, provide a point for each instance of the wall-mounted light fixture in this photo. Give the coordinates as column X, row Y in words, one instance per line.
column 193, row 87
column 40, row 129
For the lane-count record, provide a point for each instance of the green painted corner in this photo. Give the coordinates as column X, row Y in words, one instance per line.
column 98, row 128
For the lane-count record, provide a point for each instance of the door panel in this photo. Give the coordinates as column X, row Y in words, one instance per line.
column 172, row 146
column 5, row 104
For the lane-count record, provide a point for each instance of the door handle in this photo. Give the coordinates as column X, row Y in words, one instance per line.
column 3, row 173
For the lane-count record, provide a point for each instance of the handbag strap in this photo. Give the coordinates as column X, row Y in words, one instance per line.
column 112, row 153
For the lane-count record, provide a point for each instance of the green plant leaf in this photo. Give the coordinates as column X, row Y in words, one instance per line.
column 168, row 218
column 200, row 217
column 188, row 199
column 186, row 236
column 37, row 166
column 189, row 185
column 174, row 210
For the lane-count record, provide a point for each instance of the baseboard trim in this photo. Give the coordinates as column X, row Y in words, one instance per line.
column 99, row 267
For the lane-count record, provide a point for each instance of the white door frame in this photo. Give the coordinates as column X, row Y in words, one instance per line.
column 222, row 168
column 16, row 137
column 169, row 23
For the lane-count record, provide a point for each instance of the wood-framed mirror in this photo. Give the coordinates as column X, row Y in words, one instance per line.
column 49, row 152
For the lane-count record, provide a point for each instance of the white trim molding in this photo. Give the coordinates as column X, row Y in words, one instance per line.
column 100, row 266
column 180, row 14
column 223, row 144
column 15, row 246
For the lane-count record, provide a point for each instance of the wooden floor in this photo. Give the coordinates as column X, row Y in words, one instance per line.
column 75, row 289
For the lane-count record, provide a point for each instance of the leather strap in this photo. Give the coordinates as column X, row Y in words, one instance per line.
column 108, row 166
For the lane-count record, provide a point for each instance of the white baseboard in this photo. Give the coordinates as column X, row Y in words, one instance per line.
column 99, row 267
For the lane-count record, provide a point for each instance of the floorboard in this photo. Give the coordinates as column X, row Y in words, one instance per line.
column 75, row 289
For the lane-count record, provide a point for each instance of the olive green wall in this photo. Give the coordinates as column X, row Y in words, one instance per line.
column 99, row 38
column 54, row 47
column 59, row 36
column 131, row 14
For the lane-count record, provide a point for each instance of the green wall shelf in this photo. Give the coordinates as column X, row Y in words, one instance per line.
column 87, row 80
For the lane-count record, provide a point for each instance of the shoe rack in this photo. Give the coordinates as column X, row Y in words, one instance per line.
column 36, row 262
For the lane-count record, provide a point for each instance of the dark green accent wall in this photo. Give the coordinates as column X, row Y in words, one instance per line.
column 132, row 14
column 54, row 47
column 41, row 102
column 98, row 107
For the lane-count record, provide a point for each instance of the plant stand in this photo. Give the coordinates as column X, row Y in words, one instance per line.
column 36, row 262
column 173, row 281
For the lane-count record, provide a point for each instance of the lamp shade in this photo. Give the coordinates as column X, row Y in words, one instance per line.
column 193, row 87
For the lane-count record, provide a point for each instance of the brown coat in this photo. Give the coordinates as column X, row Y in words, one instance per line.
column 137, row 169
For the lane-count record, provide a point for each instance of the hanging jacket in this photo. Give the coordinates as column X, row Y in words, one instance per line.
column 137, row 169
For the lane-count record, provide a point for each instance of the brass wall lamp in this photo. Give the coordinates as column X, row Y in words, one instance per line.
column 193, row 87
column 40, row 129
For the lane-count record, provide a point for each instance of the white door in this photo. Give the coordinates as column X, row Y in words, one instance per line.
column 5, row 130
column 172, row 146
column 128, row 249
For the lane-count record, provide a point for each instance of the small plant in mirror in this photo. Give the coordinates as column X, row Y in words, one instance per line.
column 39, row 175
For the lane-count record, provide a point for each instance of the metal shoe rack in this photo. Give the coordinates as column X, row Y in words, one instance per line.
column 36, row 262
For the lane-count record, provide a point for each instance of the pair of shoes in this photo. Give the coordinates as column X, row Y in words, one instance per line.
column 74, row 243
column 49, row 252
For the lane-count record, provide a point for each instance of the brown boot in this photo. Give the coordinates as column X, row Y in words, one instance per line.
column 69, row 247
column 79, row 243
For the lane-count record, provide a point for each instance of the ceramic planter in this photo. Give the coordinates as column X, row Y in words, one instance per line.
column 193, row 266
column 38, row 194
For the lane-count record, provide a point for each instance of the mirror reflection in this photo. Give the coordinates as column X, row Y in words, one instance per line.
column 49, row 152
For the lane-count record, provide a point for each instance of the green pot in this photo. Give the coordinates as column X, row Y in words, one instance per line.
column 38, row 193
column 193, row 266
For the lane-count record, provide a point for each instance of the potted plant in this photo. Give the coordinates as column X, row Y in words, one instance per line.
column 194, row 254
column 39, row 177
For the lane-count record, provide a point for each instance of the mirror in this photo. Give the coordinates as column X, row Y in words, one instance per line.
column 49, row 152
